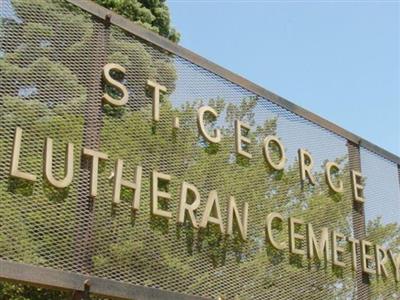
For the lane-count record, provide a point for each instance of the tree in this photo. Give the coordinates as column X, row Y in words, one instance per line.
column 44, row 89
column 37, row 58
column 152, row 14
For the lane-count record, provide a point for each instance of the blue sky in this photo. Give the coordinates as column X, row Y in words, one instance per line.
column 341, row 59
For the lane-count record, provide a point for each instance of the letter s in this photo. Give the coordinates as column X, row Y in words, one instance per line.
column 116, row 84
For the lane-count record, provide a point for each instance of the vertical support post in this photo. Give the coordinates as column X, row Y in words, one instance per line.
column 91, row 139
column 358, row 218
column 398, row 171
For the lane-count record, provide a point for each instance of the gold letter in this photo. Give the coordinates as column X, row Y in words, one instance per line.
column 200, row 123
column 111, row 81
column 380, row 261
column 365, row 257
column 119, row 181
column 336, row 249
column 328, row 167
column 69, row 165
column 96, row 156
column 212, row 207
column 279, row 165
column 239, row 138
column 157, row 88
column 294, row 236
column 14, row 172
column 356, row 178
column 184, row 206
column 155, row 194
column 321, row 248
column 396, row 264
column 306, row 169
column 233, row 211
column 270, row 218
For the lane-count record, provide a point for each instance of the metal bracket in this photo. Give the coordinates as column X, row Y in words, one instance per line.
column 107, row 20
column 82, row 295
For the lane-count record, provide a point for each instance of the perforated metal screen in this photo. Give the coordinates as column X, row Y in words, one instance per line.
column 382, row 211
column 51, row 59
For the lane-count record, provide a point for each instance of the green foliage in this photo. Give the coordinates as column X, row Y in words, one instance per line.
column 388, row 236
column 45, row 91
column 20, row 292
column 209, row 167
column 42, row 70
column 37, row 63
column 152, row 14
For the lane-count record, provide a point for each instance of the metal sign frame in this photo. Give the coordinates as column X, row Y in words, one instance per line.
column 56, row 279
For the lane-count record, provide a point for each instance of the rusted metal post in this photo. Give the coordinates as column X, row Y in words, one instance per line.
column 358, row 217
column 91, row 139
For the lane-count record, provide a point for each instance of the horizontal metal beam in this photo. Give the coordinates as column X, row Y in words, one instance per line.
column 68, row 281
column 374, row 148
column 165, row 44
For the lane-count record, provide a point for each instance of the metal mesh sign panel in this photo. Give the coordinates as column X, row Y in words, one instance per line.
column 382, row 213
column 52, row 56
